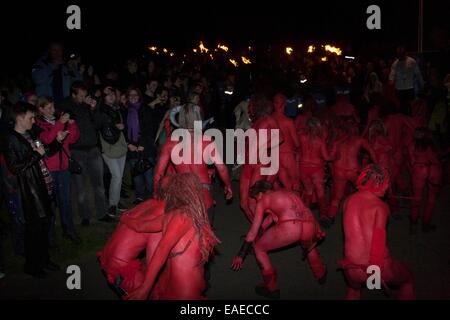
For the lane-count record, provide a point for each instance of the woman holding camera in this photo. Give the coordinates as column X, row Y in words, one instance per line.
column 64, row 130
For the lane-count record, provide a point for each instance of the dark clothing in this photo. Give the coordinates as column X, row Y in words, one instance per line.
column 149, row 120
column 36, row 245
column 88, row 123
column 24, row 162
column 27, row 164
column 109, row 117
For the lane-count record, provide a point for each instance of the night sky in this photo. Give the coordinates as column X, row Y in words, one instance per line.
column 114, row 29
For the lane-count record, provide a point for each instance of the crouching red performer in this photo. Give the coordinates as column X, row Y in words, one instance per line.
column 186, row 244
column 281, row 219
column 119, row 258
column 364, row 225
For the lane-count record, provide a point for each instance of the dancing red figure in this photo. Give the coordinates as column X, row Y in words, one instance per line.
column 312, row 156
column 186, row 244
column 345, row 167
column 426, row 171
column 365, row 219
column 281, row 219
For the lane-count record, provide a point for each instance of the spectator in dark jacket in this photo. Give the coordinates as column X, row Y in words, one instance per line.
column 52, row 76
column 86, row 152
column 25, row 158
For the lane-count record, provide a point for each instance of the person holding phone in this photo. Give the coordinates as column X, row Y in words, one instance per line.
column 25, row 158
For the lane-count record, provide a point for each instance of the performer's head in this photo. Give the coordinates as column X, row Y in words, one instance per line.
column 259, row 188
column 423, row 138
column 185, row 193
column 314, row 127
column 375, row 179
column 279, row 103
column 350, row 127
column 376, row 129
column 259, row 107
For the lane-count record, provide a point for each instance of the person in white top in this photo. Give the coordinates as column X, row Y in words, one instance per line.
column 405, row 75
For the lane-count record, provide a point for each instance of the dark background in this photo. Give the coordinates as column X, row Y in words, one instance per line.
column 112, row 30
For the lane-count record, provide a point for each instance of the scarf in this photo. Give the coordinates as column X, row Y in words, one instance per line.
column 133, row 121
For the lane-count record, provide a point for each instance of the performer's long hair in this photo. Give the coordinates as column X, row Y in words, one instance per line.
column 373, row 178
column 186, row 192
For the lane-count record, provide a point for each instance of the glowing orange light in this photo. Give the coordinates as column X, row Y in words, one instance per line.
column 195, row 50
column 233, row 62
column 223, row 47
column 333, row 49
column 172, row 54
column 311, row 49
column 152, row 48
column 165, row 50
column 211, row 56
column 245, row 60
column 203, row 48
column 324, row 59
column 289, row 50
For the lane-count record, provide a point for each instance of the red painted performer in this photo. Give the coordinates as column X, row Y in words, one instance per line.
column 260, row 109
column 426, row 171
column 281, row 220
column 288, row 171
column 365, row 219
column 312, row 159
column 186, row 244
column 200, row 169
column 119, row 257
column 345, row 165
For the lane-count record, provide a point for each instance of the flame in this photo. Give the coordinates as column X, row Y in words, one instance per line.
column 333, row 49
column 152, row 48
column 195, row 50
column 203, row 48
column 234, row 62
column 172, row 54
column 289, row 50
column 311, row 49
column 223, row 47
column 165, row 50
column 324, row 59
column 245, row 60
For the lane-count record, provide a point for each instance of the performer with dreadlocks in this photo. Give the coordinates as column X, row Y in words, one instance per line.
column 119, row 258
column 365, row 219
column 260, row 110
column 186, row 243
column 313, row 154
column 288, row 171
column 292, row 223
column 345, row 166
column 426, row 171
